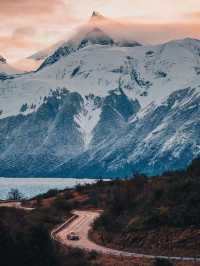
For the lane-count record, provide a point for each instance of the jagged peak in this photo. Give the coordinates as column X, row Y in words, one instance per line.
column 2, row 60
column 96, row 16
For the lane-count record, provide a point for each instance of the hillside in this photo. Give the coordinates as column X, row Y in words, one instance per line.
column 25, row 236
column 159, row 215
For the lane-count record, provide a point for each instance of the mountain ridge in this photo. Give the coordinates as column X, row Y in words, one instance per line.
column 100, row 108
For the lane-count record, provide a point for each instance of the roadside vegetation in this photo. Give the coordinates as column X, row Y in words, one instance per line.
column 14, row 194
column 25, row 235
column 161, row 214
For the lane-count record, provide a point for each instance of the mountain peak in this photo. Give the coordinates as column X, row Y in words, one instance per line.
column 2, row 60
column 96, row 16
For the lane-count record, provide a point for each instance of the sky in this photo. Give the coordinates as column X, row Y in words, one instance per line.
column 28, row 26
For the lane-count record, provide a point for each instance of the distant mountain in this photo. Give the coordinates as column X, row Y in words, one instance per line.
column 34, row 61
column 5, row 69
column 100, row 108
column 2, row 60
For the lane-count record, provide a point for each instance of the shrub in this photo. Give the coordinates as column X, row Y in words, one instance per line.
column 61, row 203
column 14, row 194
column 162, row 262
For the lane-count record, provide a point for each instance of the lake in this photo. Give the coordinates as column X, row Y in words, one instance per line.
column 31, row 187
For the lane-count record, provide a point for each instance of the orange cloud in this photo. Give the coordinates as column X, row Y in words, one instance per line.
column 25, row 31
column 10, row 46
column 28, row 7
column 30, row 25
column 149, row 32
column 193, row 15
column 159, row 32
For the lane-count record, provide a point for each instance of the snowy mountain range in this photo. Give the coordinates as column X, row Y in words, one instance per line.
column 103, row 106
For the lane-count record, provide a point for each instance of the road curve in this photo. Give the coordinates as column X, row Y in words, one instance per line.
column 81, row 223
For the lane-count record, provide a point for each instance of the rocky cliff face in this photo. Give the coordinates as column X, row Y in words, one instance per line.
column 63, row 127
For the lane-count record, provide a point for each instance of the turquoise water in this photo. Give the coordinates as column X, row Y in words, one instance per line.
column 31, row 187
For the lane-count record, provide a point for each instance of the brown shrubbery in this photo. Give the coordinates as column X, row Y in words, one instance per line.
column 25, row 238
column 139, row 205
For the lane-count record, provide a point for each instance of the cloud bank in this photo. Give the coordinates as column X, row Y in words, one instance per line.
column 28, row 26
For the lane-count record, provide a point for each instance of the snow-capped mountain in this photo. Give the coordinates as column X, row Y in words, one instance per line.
column 99, row 107
column 5, row 68
column 33, row 62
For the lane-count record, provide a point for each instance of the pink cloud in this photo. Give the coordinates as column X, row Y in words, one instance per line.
column 30, row 25
column 28, row 7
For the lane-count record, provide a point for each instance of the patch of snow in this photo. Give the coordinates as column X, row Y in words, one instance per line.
column 87, row 119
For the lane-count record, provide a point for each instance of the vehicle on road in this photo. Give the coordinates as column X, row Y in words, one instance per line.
column 73, row 236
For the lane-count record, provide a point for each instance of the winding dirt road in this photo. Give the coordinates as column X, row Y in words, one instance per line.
column 81, row 223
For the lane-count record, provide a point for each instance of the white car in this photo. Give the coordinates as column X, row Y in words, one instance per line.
column 73, row 236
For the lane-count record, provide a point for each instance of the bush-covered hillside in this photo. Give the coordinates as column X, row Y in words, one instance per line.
column 25, row 237
column 161, row 212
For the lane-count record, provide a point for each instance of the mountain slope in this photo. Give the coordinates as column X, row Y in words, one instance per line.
column 147, row 214
column 148, row 73
column 159, row 138
column 57, row 131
